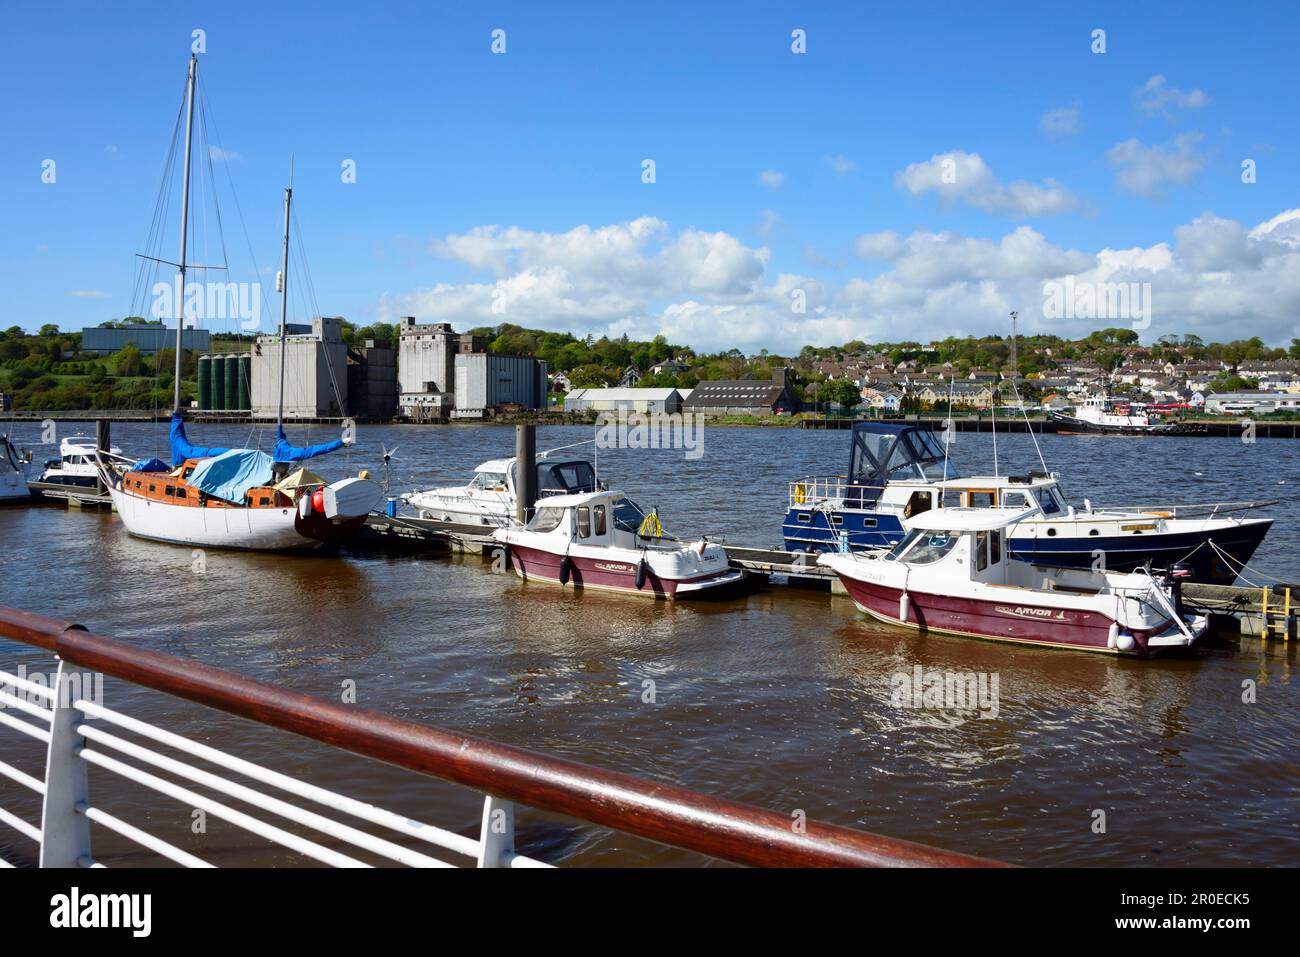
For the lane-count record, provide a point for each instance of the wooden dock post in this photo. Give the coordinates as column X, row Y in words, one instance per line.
column 525, row 471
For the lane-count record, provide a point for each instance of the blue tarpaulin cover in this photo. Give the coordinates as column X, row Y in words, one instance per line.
column 231, row 474
column 181, row 447
column 284, row 452
column 150, row 465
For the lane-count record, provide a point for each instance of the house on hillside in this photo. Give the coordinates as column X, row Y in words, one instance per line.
column 743, row 396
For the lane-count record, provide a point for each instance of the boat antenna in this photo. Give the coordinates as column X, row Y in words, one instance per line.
column 284, row 299
column 185, row 213
column 993, row 413
column 1019, row 401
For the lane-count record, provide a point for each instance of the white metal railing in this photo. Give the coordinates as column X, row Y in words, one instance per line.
column 812, row 491
column 73, row 744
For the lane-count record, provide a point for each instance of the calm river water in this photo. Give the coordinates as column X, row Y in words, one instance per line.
column 781, row 698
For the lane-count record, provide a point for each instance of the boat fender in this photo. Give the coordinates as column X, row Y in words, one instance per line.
column 566, row 568
column 1125, row 642
column 641, row 571
column 1112, row 634
column 304, row 506
column 904, row 606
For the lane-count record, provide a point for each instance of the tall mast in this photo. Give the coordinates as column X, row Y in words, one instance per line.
column 284, row 304
column 185, row 219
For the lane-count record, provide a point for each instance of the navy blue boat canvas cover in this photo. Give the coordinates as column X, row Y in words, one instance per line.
column 884, row 452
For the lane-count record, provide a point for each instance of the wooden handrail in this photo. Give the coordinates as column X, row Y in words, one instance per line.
column 717, row 827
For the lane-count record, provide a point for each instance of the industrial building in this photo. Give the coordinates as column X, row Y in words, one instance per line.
column 372, row 381
column 443, row 374
column 743, row 396
column 149, row 339
column 624, row 400
column 315, row 373
column 486, row 383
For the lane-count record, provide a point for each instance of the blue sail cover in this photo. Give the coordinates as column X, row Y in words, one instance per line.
column 231, row 474
column 181, row 447
column 284, row 452
column 150, row 465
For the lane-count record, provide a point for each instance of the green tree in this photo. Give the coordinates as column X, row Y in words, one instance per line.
column 841, row 391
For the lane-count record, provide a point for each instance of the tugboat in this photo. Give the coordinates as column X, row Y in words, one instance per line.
column 898, row 471
column 603, row 540
column 1100, row 415
column 953, row 573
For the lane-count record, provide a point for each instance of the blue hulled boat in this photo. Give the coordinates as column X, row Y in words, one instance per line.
column 897, row 471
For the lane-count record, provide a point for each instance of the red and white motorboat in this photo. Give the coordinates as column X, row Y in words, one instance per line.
column 951, row 573
column 603, row 540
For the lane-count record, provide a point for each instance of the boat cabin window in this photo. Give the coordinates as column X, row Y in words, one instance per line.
column 171, row 490
column 1015, row 500
column 981, row 498
column 584, row 521
column 598, row 520
column 180, row 493
column 547, row 519
column 489, row 480
column 995, row 546
column 917, row 503
column 924, row 546
column 981, row 551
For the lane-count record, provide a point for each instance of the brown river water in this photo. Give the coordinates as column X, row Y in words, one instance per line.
column 781, row 698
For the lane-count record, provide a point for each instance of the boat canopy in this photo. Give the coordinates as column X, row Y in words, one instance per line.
column 566, row 477
column 284, row 452
column 302, row 478
column 230, row 475
column 150, row 465
column 182, row 449
column 885, row 452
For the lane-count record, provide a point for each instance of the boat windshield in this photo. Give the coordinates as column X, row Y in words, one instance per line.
column 1050, row 500
column 628, row 515
column 923, row 546
column 488, row 480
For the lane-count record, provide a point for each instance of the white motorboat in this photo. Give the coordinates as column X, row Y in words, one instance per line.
column 489, row 497
column 602, row 540
column 75, row 466
column 13, row 473
column 952, row 573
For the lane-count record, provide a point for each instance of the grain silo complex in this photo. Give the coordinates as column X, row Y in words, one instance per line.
column 315, row 373
column 443, row 374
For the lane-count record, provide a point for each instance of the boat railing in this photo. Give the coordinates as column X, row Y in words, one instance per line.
column 77, row 733
column 1198, row 510
column 812, row 491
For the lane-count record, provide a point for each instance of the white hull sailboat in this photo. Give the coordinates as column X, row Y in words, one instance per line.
column 235, row 498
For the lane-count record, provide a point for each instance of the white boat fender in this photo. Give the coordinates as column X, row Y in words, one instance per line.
column 566, row 568
column 1112, row 635
column 904, row 606
column 1125, row 641
column 304, row 506
column 641, row 571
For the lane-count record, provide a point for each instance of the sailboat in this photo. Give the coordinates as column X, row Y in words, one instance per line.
column 235, row 498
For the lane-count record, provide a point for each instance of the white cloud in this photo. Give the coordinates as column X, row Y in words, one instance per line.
column 768, row 221
column 1064, row 120
column 1213, row 276
column 91, row 294
column 841, row 164
column 1146, row 169
column 958, row 176
column 223, row 156
column 1157, row 96
column 771, row 178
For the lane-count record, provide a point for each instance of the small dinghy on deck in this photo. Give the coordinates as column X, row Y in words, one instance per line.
column 602, row 540
column 952, row 573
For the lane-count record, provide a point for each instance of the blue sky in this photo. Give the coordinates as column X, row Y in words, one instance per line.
column 1144, row 154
